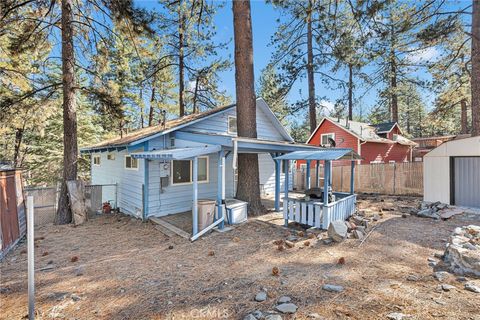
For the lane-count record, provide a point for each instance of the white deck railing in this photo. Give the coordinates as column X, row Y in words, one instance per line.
column 315, row 214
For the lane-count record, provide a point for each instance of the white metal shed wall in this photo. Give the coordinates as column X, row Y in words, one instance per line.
column 436, row 167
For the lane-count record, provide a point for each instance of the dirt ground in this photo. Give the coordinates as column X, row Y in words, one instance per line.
column 115, row 267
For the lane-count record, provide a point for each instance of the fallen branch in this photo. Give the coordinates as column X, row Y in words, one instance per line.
column 368, row 235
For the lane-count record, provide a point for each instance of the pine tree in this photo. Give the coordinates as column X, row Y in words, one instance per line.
column 271, row 90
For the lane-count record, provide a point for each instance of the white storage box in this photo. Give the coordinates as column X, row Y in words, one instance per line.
column 236, row 211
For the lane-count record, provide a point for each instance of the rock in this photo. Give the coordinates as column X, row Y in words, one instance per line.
column 432, row 264
column 438, row 255
column 470, row 286
column 431, row 260
column 315, row 316
column 462, row 255
column 292, row 238
column 461, row 279
column 332, row 288
column 447, row 287
column 412, row 277
column 261, row 296
column 79, row 271
column 357, row 220
column 428, row 213
column 376, row 217
column 74, row 297
column 249, row 317
column 289, row 244
column 396, row 316
column 273, row 317
column 327, row 241
column 287, row 308
column 257, row 314
column 357, row 234
column 284, row 299
column 441, row 275
column 337, row 230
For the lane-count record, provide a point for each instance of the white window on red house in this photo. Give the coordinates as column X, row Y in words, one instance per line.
column 324, row 139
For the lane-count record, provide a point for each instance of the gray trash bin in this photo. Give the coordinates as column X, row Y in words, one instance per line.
column 206, row 213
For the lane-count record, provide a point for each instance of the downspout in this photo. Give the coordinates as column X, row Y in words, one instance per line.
column 360, row 149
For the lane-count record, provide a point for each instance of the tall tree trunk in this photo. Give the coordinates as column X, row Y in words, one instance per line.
column 142, row 110
column 181, row 63
column 312, row 110
column 393, row 79
column 475, row 76
column 248, row 188
column 70, row 149
column 150, row 113
column 463, row 116
column 350, row 91
column 18, row 144
column 195, row 93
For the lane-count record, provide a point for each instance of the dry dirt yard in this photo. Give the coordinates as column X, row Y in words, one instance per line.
column 114, row 267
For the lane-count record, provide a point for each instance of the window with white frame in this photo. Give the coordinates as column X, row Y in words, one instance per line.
column 232, row 125
column 96, row 160
column 324, row 139
column 110, row 156
column 131, row 163
column 182, row 171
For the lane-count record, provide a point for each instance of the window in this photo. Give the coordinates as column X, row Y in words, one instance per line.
column 232, row 124
column 324, row 139
column 110, row 156
column 131, row 163
column 172, row 142
column 182, row 171
column 395, row 137
column 96, row 160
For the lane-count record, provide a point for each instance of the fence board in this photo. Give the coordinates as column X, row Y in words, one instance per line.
column 384, row 178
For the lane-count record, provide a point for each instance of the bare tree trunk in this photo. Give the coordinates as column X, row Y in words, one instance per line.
column 150, row 112
column 195, row 95
column 393, row 79
column 70, row 149
column 142, row 110
column 248, row 174
column 463, row 116
column 181, row 64
column 18, row 144
column 312, row 110
column 350, row 91
column 475, row 76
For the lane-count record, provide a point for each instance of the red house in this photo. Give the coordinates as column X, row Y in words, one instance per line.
column 380, row 143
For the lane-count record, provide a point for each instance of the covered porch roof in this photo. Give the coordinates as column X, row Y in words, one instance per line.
column 323, row 154
column 176, row 154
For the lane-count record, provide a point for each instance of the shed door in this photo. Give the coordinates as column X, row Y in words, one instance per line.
column 467, row 181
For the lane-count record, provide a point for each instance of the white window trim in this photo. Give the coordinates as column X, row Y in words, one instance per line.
column 99, row 160
column 125, row 163
column 191, row 173
column 326, row 134
column 228, row 125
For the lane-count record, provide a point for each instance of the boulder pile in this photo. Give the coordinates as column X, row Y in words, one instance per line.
column 462, row 255
column 437, row 210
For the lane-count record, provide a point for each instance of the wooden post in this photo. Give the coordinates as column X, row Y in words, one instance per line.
column 307, row 184
column 285, row 196
column 221, row 186
column 277, row 184
column 31, row 266
column 317, row 167
column 352, row 177
column 195, row 196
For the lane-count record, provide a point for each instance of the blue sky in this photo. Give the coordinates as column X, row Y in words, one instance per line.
column 264, row 20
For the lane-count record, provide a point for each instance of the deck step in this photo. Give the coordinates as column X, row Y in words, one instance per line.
column 170, row 227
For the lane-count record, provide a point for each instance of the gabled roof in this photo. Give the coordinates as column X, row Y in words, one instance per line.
column 384, row 127
column 143, row 134
column 362, row 131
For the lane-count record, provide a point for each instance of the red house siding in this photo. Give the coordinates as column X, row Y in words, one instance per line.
column 369, row 151
column 343, row 139
column 384, row 152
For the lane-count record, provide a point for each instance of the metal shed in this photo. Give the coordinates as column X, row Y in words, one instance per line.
column 452, row 173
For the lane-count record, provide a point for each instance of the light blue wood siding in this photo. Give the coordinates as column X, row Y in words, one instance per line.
column 129, row 182
column 219, row 124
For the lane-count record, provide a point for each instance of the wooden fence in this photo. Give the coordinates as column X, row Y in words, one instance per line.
column 383, row 178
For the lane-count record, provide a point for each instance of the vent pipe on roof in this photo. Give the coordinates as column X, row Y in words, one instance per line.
column 347, row 124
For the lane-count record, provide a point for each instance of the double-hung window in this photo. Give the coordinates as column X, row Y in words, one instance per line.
column 96, row 160
column 324, row 139
column 131, row 163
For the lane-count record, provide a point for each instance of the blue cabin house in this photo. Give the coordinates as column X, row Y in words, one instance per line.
column 165, row 169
